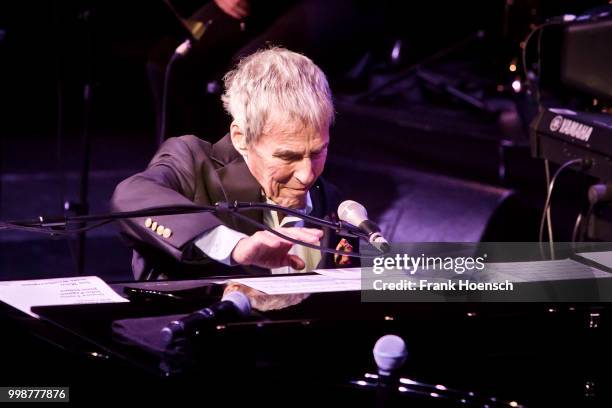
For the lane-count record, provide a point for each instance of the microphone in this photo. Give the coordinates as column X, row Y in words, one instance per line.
column 196, row 30
column 356, row 214
column 183, row 48
column 390, row 354
column 600, row 192
column 232, row 307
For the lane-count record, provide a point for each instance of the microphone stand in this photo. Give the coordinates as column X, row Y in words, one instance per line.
column 81, row 206
column 339, row 226
column 196, row 30
column 55, row 223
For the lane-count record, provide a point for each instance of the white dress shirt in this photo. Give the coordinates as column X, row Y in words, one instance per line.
column 219, row 242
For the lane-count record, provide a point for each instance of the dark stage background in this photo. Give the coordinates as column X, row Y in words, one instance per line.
column 430, row 166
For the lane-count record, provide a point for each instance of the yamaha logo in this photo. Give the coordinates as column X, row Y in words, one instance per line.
column 555, row 123
column 571, row 128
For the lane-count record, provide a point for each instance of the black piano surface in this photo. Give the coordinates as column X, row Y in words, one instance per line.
column 316, row 351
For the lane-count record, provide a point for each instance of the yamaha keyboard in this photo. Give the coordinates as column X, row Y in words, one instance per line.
column 560, row 135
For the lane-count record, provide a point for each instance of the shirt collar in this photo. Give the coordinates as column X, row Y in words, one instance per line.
column 272, row 216
column 308, row 208
column 304, row 211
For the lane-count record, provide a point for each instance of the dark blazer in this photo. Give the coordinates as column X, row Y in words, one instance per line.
column 189, row 171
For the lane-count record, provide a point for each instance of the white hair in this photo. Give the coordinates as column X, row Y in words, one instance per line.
column 276, row 81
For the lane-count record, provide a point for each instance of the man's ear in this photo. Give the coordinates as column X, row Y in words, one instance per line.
column 238, row 138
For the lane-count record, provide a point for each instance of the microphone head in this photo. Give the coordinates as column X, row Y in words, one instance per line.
column 389, row 353
column 184, row 48
column 352, row 212
column 240, row 300
column 600, row 192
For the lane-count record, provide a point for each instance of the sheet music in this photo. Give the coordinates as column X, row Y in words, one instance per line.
column 24, row 294
column 338, row 280
column 537, row 271
column 603, row 258
column 298, row 283
column 341, row 273
column 533, row 271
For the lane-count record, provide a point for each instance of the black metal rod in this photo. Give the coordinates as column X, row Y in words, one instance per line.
column 44, row 221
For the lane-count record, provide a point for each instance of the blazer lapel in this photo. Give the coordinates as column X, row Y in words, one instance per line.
column 238, row 183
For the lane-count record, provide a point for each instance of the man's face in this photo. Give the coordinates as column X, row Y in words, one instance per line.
column 286, row 160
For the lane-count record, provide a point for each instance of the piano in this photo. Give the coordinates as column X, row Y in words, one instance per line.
column 317, row 349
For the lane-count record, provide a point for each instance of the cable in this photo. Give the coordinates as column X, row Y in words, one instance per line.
column 89, row 227
column 582, row 224
column 298, row 242
column 585, row 223
column 551, row 186
column 577, row 225
column 548, row 216
column 246, row 206
column 51, row 231
column 528, row 78
column 234, row 211
column 69, row 232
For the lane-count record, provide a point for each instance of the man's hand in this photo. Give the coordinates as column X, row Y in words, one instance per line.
column 267, row 250
column 238, row 9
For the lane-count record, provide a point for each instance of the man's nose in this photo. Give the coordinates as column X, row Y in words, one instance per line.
column 305, row 172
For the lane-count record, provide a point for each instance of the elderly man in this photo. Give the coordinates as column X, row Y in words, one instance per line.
column 275, row 151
